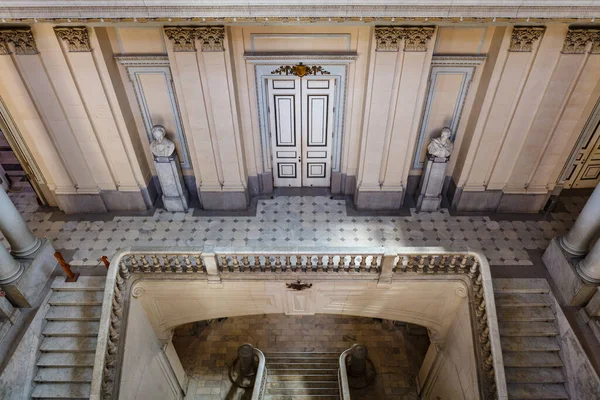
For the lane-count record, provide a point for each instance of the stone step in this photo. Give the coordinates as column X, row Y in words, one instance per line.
column 301, row 378
column 303, row 384
column 66, row 360
column 296, row 365
column 303, row 371
column 524, row 313
column 522, row 299
column 71, row 328
column 534, row 375
column 546, row 391
column 516, row 285
column 527, row 328
column 76, row 298
column 68, row 344
column 303, row 391
column 63, row 375
column 83, row 283
column 74, row 313
column 529, row 343
column 536, row 359
column 301, row 397
column 61, row 391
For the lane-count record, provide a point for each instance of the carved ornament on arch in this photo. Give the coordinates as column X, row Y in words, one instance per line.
column 523, row 37
column 21, row 38
column 415, row 38
column 211, row 38
column 76, row 37
column 577, row 39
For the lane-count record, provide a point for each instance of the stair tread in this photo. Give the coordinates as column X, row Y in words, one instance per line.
column 301, row 396
column 64, row 374
column 522, row 299
column 66, row 360
column 77, row 298
column 83, row 283
column 536, row 391
column 303, row 384
column 529, row 343
column 531, row 359
column 527, row 328
column 71, row 328
column 524, row 313
column 74, row 313
column 61, row 391
column 534, row 375
column 520, row 285
column 301, row 378
column 68, row 344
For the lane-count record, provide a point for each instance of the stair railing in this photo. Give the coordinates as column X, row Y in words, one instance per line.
column 260, row 382
column 343, row 376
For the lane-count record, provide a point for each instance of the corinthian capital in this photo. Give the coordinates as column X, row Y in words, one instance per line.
column 211, row 38
column 21, row 38
column 415, row 38
column 523, row 37
column 577, row 40
column 76, row 37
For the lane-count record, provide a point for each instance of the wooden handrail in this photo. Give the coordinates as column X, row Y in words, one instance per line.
column 106, row 262
column 71, row 277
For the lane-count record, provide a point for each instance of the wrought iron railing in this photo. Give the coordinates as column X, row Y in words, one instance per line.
column 338, row 263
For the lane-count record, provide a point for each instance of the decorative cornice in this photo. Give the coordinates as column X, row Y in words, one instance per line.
column 523, row 37
column 457, row 60
column 211, row 38
column 415, row 38
column 21, row 38
column 143, row 60
column 329, row 58
column 577, row 39
column 77, row 37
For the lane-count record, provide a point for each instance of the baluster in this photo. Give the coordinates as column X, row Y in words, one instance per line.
column 245, row 263
column 473, row 270
column 288, row 263
column 452, row 266
column 298, row 266
column 167, row 264
column 235, row 263
column 178, row 267
column 431, row 267
column 188, row 264
column 329, row 263
column 352, row 266
column 404, row 264
column 443, row 261
column 224, row 264
column 145, row 264
column 267, row 263
column 483, row 320
column 462, row 268
column 421, row 265
column 199, row 265
column 319, row 263
column 477, row 283
column 308, row 263
column 373, row 267
column 363, row 264
column 256, row 264
column 277, row 263
column 134, row 264
column 341, row 264
column 123, row 269
column 155, row 262
column 481, row 308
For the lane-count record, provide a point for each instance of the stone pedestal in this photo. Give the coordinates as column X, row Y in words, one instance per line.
column 175, row 195
column 24, row 291
column 562, row 266
column 432, row 182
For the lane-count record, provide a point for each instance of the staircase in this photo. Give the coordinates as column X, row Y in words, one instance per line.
column 66, row 354
column 530, row 349
column 302, row 376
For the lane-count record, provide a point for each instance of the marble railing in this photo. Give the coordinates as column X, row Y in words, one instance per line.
column 343, row 375
column 378, row 263
column 260, row 380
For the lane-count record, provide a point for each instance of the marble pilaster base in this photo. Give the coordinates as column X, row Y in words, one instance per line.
column 24, row 291
column 224, row 201
column 175, row 196
column 379, row 200
column 574, row 290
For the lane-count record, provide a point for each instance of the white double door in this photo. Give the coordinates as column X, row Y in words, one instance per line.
column 301, row 129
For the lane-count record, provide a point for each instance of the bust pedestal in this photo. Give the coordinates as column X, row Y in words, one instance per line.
column 432, row 182
column 175, row 195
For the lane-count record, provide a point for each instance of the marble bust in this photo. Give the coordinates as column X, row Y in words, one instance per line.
column 441, row 147
column 161, row 146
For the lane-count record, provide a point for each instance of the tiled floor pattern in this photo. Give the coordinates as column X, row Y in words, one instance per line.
column 207, row 356
column 300, row 220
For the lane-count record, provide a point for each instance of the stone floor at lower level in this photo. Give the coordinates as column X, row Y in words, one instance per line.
column 208, row 350
column 301, row 220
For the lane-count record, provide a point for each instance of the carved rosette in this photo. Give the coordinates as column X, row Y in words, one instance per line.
column 415, row 38
column 523, row 37
column 211, row 38
column 76, row 37
column 21, row 38
column 577, row 39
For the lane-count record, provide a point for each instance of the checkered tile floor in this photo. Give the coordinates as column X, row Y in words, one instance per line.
column 303, row 220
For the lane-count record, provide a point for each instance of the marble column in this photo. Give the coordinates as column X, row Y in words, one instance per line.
column 22, row 242
column 587, row 225
column 10, row 269
column 589, row 267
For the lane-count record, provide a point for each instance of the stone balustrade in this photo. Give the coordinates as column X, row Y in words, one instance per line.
column 379, row 264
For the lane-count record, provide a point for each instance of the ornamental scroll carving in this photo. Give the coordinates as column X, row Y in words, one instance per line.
column 523, row 37
column 300, row 70
column 415, row 38
column 21, row 38
column 76, row 37
column 211, row 38
column 577, row 40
